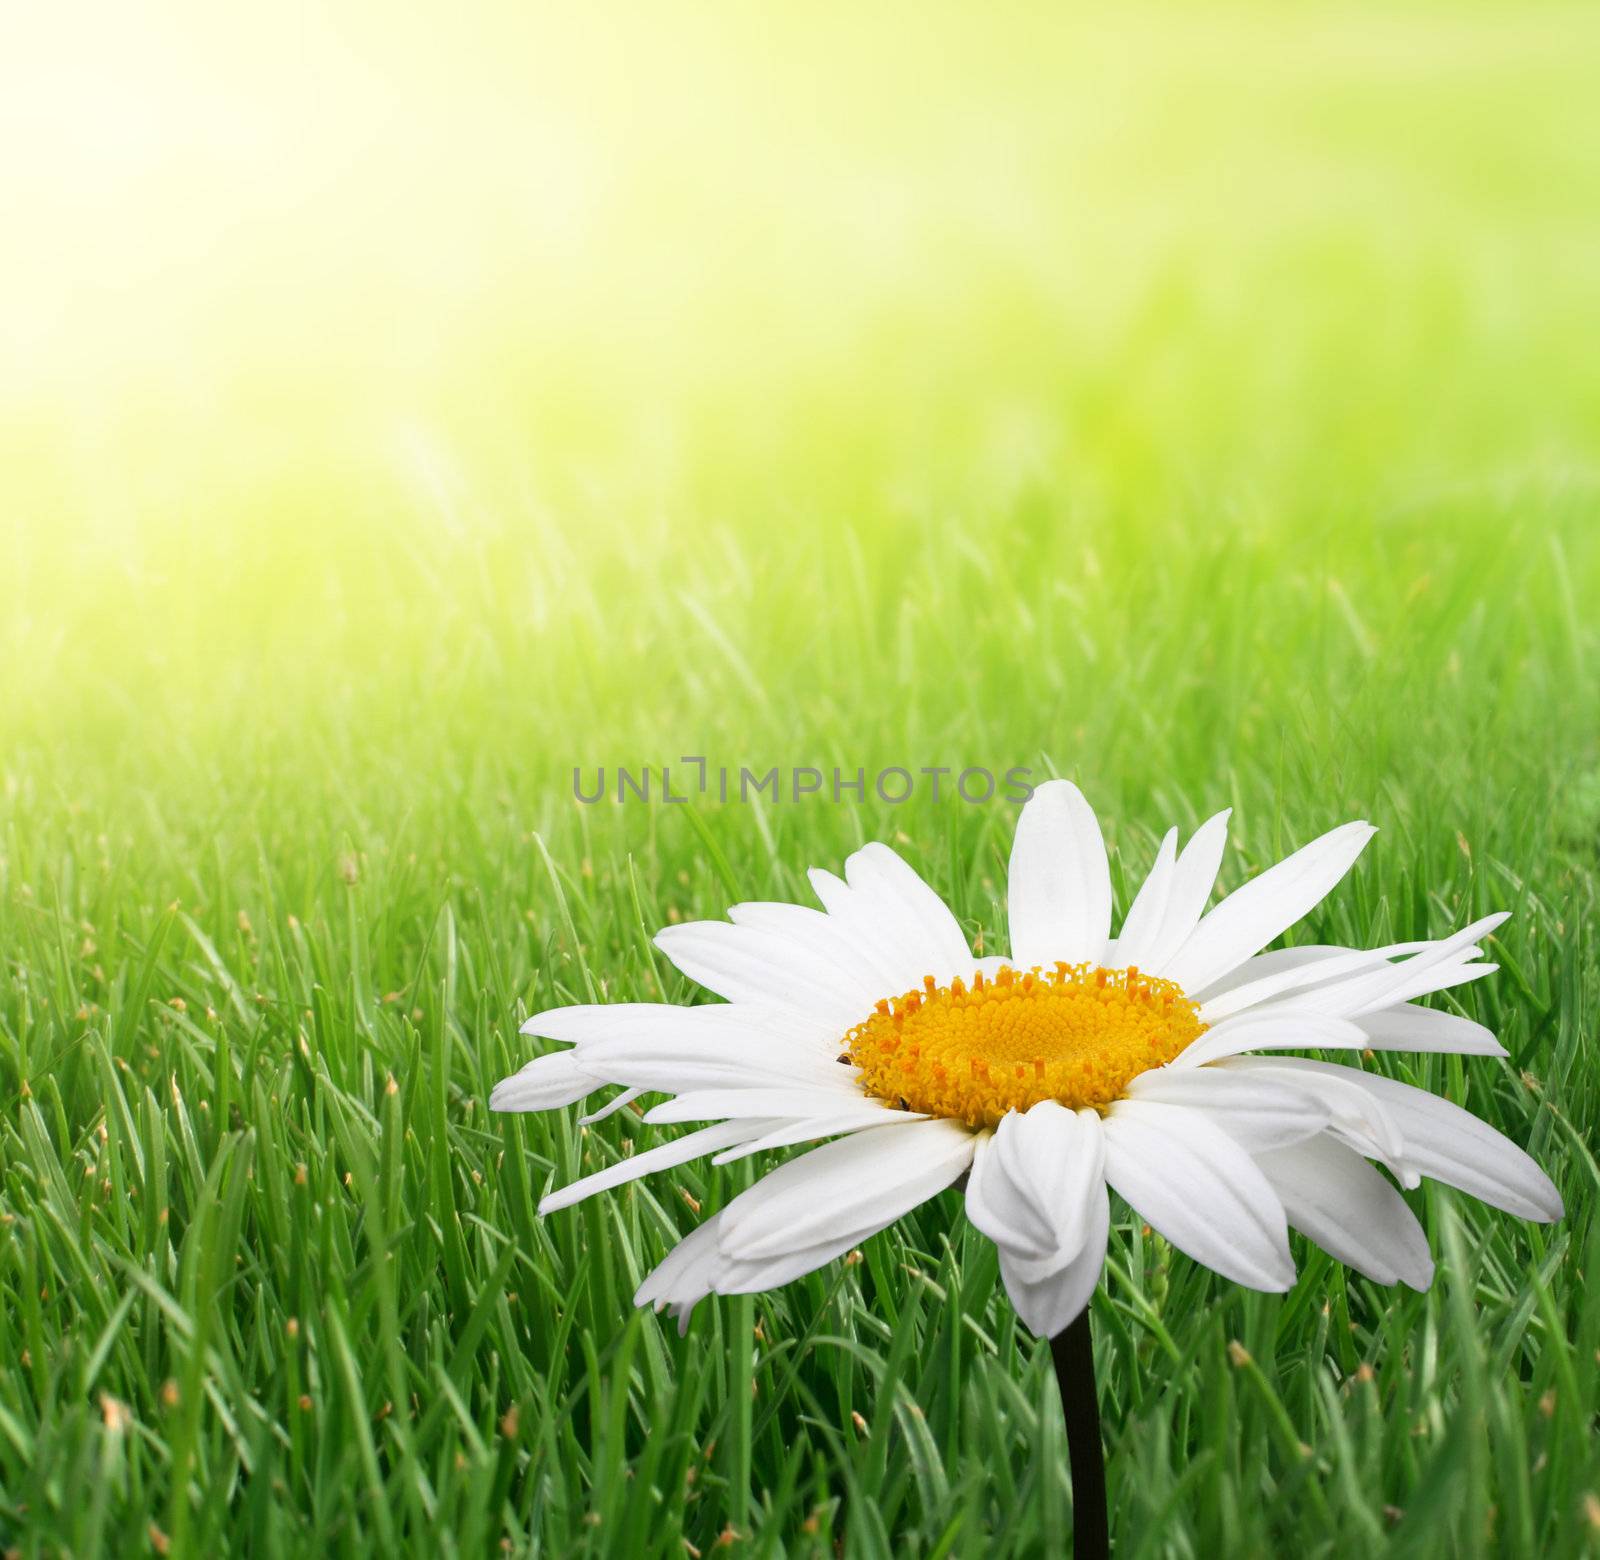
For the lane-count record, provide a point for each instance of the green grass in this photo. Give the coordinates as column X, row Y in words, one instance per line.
column 1220, row 433
column 272, row 1275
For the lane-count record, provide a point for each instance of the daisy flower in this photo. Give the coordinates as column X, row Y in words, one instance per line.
column 1148, row 1063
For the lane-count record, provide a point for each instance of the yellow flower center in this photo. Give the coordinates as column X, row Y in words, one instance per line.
column 1076, row 1033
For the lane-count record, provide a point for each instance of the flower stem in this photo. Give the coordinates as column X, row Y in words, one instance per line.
column 1072, row 1353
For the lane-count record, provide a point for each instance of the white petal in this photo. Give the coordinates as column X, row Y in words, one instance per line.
column 1031, row 1181
column 1452, row 1145
column 1281, row 1028
column 590, row 1020
column 1141, row 928
column 1054, row 1157
column 722, row 1104
column 1332, row 1194
column 1354, row 1116
column 1048, row 1303
column 772, row 1023
column 1191, row 1181
column 1328, row 964
column 1402, row 984
column 545, row 1083
column 1060, row 883
column 1193, row 878
column 997, row 1208
column 680, row 1151
column 807, row 1129
column 886, row 879
column 1425, row 983
column 1277, row 961
column 684, row 1276
column 1372, row 990
column 1435, row 966
column 1250, row 917
column 1408, row 1028
column 1257, row 1111
column 747, row 964
column 698, row 1266
column 885, row 933
column 759, row 1022
column 820, row 934
column 611, row 1107
column 752, row 1275
column 895, row 921
column 687, row 1055
column 846, row 1188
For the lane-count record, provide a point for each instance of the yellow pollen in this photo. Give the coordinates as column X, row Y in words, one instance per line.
column 1076, row 1033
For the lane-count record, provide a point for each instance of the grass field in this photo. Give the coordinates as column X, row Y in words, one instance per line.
column 1197, row 407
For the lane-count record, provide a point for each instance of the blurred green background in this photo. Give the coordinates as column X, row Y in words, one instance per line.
column 399, row 409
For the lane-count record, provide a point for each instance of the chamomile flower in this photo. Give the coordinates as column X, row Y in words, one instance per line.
column 1147, row 1063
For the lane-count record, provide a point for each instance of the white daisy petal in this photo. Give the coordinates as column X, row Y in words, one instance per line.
column 1033, row 1178
column 884, row 876
column 769, row 1024
column 1434, row 967
column 846, row 1188
column 1331, row 964
column 684, row 1276
column 748, row 964
column 1194, row 1183
column 611, row 1107
column 1256, row 1110
column 1458, row 948
column 997, row 1208
column 593, row 1020
column 1355, row 1116
column 544, row 1084
column 1056, row 1158
column 1141, row 927
column 1060, row 881
column 1250, row 917
column 1283, row 1028
column 725, row 1104
column 1278, row 961
column 736, row 1270
column 808, row 1129
column 1194, row 876
column 1450, row 1144
column 759, row 1022
column 1410, row 1028
column 1426, row 983
column 883, row 929
column 680, row 1151
column 699, row 1056
column 1049, row 1302
column 751, row 1275
column 820, row 934
column 1389, row 985
column 697, row 1267
column 1332, row 1194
